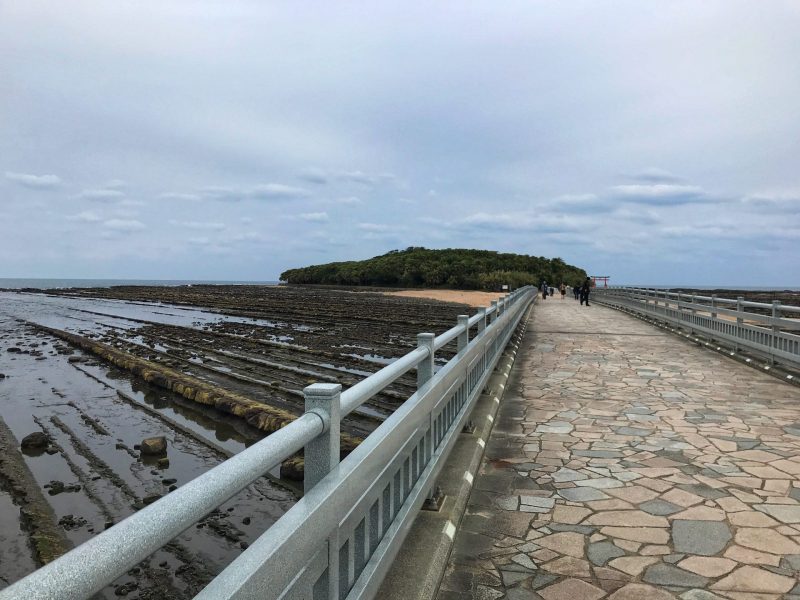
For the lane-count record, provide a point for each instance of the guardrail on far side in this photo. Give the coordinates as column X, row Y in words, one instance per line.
column 338, row 541
column 769, row 331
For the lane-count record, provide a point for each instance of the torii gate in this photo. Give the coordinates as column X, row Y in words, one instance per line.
column 603, row 278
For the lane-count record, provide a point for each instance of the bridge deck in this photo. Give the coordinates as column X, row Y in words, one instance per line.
column 627, row 463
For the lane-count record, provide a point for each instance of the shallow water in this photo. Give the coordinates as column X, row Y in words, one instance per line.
column 95, row 428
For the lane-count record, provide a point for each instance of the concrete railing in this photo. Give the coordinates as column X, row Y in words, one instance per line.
column 337, row 541
column 769, row 331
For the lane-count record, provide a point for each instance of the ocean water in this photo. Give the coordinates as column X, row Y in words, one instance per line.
column 15, row 284
column 744, row 288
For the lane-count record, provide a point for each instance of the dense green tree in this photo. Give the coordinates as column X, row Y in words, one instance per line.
column 452, row 268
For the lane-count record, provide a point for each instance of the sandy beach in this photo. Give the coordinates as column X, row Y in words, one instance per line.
column 475, row 299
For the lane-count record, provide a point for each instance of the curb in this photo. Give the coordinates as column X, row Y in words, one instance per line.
column 420, row 563
column 779, row 372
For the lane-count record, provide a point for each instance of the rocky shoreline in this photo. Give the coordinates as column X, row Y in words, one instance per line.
column 208, row 369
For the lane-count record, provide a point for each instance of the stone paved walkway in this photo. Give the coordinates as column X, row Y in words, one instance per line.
column 627, row 463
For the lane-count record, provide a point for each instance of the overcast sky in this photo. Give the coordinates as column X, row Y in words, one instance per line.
column 656, row 142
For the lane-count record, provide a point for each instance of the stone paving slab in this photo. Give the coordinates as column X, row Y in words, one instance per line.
column 628, row 464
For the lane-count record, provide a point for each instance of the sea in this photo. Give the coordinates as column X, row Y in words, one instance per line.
column 744, row 288
column 19, row 283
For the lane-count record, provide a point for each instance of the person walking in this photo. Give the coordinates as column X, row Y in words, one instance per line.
column 576, row 290
column 585, row 289
column 544, row 290
column 563, row 289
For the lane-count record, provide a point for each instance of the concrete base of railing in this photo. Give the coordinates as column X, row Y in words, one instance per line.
column 420, row 564
column 780, row 371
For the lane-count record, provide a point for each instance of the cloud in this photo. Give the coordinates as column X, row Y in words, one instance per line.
column 520, row 221
column 36, row 182
column 661, row 194
column 322, row 177
column 87, row 216
column 373, row 227
column 655, row 175
column 313, row 175
column 348, row 200
column 211, row 226
column 314, row 217
column 579, row 203
column 784, row 202
column 364, row 178
column 102, row 195
column 277, row 191
column 180, row 196
column 266, row 191
column 124, row 225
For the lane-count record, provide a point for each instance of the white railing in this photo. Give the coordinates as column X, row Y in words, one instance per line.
column 338, row 541
column 768, row 331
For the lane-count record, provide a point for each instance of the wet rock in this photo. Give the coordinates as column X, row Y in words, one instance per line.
column 163, row 463
column 154, row 446
column 172, row 488
column 51, row 450
column 37, row 439
column 71, row 522
column 109, row 524
column 169, row 481
column 75, row 359
column 151, row 498
column 126, row 588
column 246, row 521
column 14, row 350
column 243, row 545
column 2, row 376
column 55, row 487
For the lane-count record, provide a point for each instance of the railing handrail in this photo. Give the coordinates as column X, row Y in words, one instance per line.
column 747, row 303
column 96, row 563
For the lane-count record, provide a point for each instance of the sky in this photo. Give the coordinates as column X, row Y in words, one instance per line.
column 655, row 142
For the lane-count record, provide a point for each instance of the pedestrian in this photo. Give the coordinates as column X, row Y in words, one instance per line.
column 585, row 289
column 563, row 289
column 544, row 290
column 576, row 290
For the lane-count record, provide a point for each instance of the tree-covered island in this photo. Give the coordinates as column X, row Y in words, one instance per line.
column 450, row 268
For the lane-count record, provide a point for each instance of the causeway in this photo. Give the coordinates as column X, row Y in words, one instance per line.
column 627, row 463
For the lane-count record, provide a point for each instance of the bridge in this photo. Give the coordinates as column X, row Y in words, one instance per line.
column 617, row 458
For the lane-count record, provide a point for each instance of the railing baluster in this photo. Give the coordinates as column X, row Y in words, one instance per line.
column 321, row 455
column 426, row 366
column 463, row 337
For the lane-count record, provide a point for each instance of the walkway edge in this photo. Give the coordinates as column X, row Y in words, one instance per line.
column 419, row 566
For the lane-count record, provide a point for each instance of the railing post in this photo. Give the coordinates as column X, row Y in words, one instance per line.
column 493, row 317
column 776, row 314
column 463, row 337
column 739, row 321
column 425, row 366
column 482, row 320
column 713, row 306
column 321, row 455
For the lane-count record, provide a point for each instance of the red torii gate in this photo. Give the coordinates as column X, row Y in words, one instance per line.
column 603, row 278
